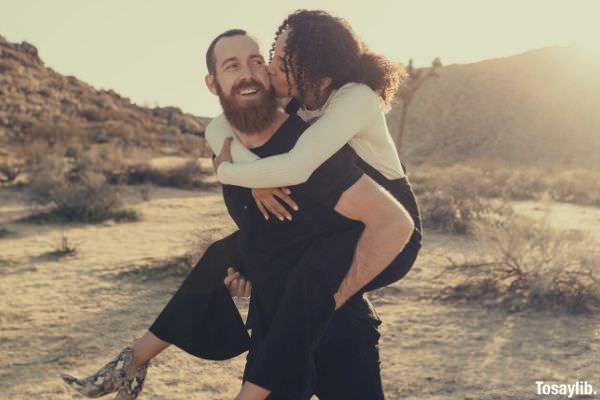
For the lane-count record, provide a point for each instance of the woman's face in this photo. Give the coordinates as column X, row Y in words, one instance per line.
column 276, row 70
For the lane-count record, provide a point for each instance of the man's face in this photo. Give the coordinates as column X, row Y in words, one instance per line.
column 240, row 69
column 242, row 84
column 277, row 70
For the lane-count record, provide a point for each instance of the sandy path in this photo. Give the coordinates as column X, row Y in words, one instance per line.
column 76, row 313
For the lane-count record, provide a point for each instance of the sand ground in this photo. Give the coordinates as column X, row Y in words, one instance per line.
column 75, row 313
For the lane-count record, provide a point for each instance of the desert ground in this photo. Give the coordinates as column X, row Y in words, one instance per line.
column 74, row 313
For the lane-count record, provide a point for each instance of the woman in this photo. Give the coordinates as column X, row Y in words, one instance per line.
column 349, row 104
column 386, row 168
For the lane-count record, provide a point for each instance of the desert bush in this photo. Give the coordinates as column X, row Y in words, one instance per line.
column 454, row 197
column 63, row 249
column 576, row 186
column 188, row 175
column 451, row 201
column 55, row 133
column 93, row 114
column 531, row 265
column 76, row 190
column 9, row 171
column 145, row 191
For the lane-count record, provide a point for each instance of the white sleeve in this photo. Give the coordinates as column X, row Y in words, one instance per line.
column 217, row 130
column 351, row 111
column 220, row 129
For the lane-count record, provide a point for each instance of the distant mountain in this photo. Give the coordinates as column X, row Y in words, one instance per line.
column 33, row 97
column 541, row 107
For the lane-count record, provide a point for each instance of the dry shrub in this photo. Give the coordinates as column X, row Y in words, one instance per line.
column 55, row 133
column 531, row 265
column 576, row 186
column 93, row 114
column 7, row 66
column 77, row 190
column 187, row 175
column 452, row 198
column 450, row 201
column 9, row 172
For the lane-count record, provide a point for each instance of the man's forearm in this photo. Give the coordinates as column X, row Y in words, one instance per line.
column 377, row 247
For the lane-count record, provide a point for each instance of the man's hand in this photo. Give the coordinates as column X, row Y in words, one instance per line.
column 265, row 200
column 224, row 155
column 238, row 285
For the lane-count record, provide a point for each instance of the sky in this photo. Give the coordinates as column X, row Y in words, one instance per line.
column 153, row 51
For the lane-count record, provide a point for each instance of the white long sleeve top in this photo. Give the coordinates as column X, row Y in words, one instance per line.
column 352, row 114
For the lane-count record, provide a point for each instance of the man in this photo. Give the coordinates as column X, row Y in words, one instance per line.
column 237, row 75
column 299, row 346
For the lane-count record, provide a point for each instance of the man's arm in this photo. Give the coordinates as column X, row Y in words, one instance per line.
column 388, row 227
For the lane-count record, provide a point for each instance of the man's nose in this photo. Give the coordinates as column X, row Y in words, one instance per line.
column 247, row 72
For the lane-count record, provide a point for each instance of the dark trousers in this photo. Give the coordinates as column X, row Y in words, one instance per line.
column 346, row 362
column 286, row 346
column 202, row 319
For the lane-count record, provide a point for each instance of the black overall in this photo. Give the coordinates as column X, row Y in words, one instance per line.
column 298, row 343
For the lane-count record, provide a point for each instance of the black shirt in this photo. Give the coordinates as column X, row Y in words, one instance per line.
column 270, row 248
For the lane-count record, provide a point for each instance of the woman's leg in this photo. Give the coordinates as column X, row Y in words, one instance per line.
column 200, row 318
column 145, row 349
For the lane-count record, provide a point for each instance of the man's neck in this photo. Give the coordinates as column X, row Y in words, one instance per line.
column 257, row 139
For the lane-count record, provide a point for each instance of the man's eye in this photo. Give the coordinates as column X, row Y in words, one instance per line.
column 230, row 66
column 259, row 62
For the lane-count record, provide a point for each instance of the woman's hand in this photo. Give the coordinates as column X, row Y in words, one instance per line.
column 238, row 285
column 265, row 200
column 224, row 155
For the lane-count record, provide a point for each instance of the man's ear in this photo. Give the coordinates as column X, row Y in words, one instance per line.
column 211, row 83
column 325, row 83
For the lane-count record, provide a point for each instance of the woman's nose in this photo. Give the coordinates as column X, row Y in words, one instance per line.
column 271, row 69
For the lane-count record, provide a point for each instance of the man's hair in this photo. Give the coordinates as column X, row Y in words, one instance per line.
column 210, row 53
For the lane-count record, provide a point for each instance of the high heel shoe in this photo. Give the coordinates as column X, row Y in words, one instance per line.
column 133, row 387
column 110, row 378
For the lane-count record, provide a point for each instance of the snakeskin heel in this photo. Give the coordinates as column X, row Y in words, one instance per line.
column 133, row 387
column 110, row 378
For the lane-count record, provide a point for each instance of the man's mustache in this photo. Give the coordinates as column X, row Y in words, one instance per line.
column 248, row 84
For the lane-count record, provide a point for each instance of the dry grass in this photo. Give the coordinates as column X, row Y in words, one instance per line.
column 530, row 265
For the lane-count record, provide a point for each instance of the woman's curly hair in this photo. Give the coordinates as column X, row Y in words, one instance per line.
column 320, row 45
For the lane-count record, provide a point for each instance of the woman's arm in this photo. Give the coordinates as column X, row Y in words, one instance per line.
column 216, row 134
column 351, row 110
column 217, row 130
column 388, row 227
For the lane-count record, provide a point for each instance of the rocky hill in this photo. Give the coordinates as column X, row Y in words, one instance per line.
column 541, row 107
column 37, row 101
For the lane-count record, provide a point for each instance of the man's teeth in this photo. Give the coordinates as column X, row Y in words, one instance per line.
column 248, row 91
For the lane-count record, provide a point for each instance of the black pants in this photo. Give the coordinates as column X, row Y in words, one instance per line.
column 194, row 318
column 346, row 362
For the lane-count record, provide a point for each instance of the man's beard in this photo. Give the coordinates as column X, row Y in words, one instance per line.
column 254, row 116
